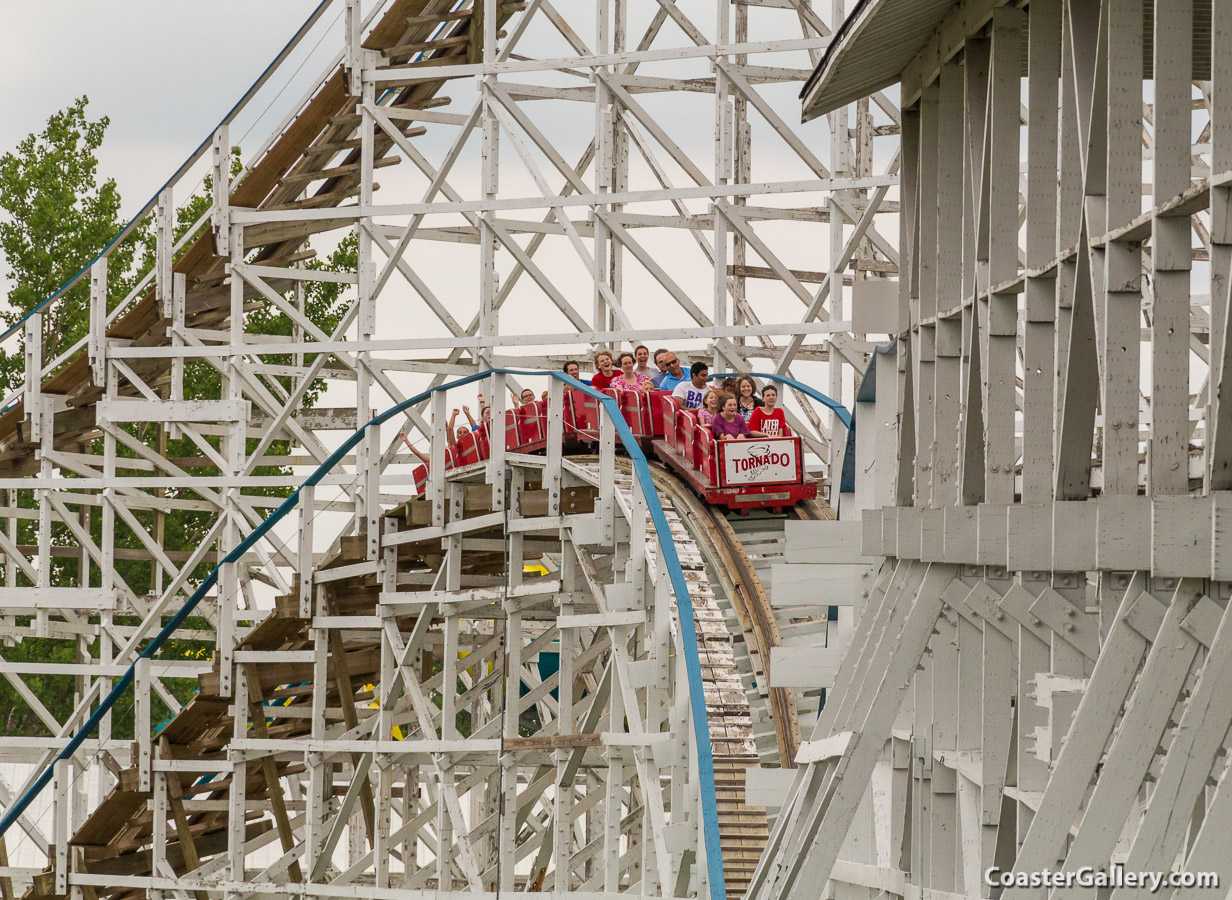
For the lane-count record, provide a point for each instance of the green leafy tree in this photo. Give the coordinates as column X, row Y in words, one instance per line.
column 57, row 216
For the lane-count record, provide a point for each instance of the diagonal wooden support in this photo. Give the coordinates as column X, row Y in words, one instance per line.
column 256, row 702
column 807, row 837
column 346, row 697
column 183, row 830
column 1092, row 725
column 1195, row 745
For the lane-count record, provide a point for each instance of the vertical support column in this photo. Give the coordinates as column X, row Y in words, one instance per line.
column 508, row 840
column 555, row 448
column 61, row 826
column 164, row 256
column 97, row 347
column 387, row 769
column 158, row 847
column 840, row 166
column 354, row 24
column 297, row 330
column 1043, row 74
column 234, row 445
column 612, row 814
column 604, row 113
column 606, row 505
column 307, row 513
column 1168, row 452
column 436, row 456
column 47, row 410
column 444, row 832
column 513, row 665
column 496, row 441
column 489, row 287
column 925, row 349
column 946, row 370
column 179, row 291
column 320, row 771
column 449, row 680
column 977, row 54
column 141, row 721
column 943, row 822
column 1000, row 369
column 238, row 795
column 743, row 150
column 562, row 802
column 908, row 307
column 32, row 390
column 1068, row 218
column 507, row 847
column 619, row 178
column 723, row 114
column 1219, row 413
column 1122, row 259
column 367, row 456
column 220, row 177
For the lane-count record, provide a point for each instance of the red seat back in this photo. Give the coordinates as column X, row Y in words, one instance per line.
column 662, row 414
column 531, row 424
column 686, row 425
column 587, row 410
column 635, row 406
column 512, row 438
column 466, row 450
column 706, row 455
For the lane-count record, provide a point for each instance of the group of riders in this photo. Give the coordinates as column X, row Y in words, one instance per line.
column 732, row 410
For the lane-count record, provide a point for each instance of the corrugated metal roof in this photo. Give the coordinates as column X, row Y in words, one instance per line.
column 870, row 50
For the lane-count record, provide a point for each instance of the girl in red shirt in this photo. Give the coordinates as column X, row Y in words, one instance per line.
column 769, row 418
column 605, row 373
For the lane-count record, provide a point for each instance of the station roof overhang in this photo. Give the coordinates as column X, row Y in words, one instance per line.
column 883, row 42
column 870, row 51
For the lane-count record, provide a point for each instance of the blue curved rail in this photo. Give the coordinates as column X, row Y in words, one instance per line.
column 844, row 415
column 697, row 698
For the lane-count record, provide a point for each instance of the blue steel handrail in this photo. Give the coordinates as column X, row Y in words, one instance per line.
column 697, row 699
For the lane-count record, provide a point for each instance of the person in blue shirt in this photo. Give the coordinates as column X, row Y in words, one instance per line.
column 659, row 356
column 674, row 375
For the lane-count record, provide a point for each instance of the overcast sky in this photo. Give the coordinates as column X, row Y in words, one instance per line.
column 164, row 72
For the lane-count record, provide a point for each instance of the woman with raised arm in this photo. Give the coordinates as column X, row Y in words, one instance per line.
column 423, row 457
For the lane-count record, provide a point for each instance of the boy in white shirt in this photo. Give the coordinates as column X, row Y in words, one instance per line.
column 689, row 394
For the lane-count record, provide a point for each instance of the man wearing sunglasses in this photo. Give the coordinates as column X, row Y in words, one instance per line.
column 673, row 374
column 659, row 356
